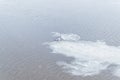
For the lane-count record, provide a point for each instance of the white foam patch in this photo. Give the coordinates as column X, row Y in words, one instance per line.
column 90, row 58
column 71, row 37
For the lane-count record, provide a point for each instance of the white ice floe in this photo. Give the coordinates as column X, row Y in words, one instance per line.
column 90, row 58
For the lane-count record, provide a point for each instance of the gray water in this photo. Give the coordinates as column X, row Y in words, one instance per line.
column 26, row 24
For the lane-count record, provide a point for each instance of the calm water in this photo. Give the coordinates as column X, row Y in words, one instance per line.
column 26, row 24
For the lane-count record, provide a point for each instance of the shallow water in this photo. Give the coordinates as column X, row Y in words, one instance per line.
column 26, row 24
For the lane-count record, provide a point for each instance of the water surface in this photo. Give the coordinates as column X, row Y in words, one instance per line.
column 26, row 24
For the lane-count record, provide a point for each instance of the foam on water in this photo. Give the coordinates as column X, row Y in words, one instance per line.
column 90, row 58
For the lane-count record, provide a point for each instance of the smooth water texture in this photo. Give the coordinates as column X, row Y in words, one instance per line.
column 26, row 24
